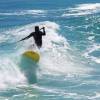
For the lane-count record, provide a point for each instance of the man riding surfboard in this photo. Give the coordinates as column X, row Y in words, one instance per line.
column 37, row 35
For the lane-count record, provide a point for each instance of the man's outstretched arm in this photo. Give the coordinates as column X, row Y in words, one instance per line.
column 26, row 37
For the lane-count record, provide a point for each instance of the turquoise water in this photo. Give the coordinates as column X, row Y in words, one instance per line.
column 69, row 67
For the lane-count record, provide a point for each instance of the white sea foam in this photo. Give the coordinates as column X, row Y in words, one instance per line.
column 91, row 49
column 55, row 91
column 60, row 93
column 95, row 97
column 10, row 74
column 89, row 6
column 24, row 12
column 2, row 38
column 83, row 9
column 91, row 37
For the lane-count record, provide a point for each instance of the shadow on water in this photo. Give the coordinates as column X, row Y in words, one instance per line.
column 29, row 68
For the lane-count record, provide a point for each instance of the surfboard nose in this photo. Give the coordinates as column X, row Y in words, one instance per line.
column 32, row 55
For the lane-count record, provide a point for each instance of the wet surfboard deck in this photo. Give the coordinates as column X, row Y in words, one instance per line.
column 33, row 55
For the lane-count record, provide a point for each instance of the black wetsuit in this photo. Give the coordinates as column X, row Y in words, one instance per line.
column 37, row 35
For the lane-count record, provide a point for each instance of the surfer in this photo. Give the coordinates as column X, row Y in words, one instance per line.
column 37, row 35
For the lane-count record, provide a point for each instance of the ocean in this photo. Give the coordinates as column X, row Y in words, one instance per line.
column 69, row 66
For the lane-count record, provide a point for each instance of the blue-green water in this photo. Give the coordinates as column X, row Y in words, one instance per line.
column 69, row 67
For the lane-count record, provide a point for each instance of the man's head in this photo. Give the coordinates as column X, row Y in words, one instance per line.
column 36, row 28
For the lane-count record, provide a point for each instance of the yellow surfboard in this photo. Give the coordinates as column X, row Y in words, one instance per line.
column 32, row 55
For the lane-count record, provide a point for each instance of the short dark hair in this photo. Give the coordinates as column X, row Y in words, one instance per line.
column 36, row 27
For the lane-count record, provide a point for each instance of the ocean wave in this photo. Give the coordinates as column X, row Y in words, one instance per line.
column 59, row 92
column 83, row 9
column 24, row 12
column 54, row 93
column 95, row 97
column 55, row 51
column 10, row 74
column 57, row 57
column 90, row 50
column 2, row 38
column 91, row 38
